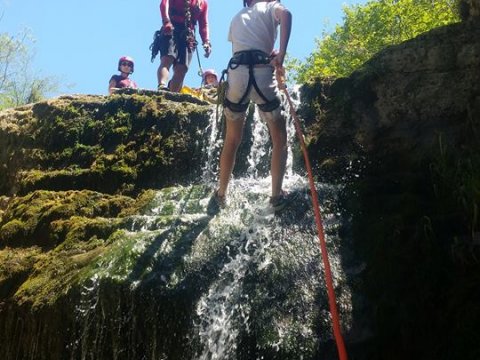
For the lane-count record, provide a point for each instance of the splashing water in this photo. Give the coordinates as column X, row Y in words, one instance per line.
column 265, row 243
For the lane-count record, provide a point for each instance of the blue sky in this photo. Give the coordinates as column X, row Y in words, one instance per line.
column 80, row 41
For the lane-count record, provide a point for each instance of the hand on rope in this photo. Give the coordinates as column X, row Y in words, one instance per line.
column 276, row 58
column 281, row 78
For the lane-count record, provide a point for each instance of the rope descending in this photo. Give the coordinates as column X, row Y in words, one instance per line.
column 342, row 352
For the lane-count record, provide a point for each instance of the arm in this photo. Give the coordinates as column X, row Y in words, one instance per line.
column 164, row 13
column 164, row 9
column 112, row 85
column 285, row 17
column 203, row 29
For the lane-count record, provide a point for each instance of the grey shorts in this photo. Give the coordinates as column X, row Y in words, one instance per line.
column 176, row 46
column 238, row 82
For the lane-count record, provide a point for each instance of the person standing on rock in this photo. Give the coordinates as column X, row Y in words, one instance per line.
column 177, row 39
column 251, row 76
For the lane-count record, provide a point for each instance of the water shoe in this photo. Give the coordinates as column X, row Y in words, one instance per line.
column 216, row 203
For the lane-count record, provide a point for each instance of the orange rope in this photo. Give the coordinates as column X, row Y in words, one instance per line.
column 342, row 352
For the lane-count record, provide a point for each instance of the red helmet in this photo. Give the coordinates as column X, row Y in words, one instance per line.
column 206, row 73
column 126, row 59
column 209, row 72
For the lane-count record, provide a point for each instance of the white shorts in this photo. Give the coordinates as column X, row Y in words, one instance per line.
column 238, row 82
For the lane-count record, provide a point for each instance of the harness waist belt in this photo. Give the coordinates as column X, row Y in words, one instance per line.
column 249, row 57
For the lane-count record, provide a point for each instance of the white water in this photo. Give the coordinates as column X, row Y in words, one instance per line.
column 225, row 310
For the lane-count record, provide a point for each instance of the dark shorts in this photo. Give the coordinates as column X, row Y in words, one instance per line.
column 176, row 46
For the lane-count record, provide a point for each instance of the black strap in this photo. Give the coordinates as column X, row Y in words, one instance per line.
column 250, row 58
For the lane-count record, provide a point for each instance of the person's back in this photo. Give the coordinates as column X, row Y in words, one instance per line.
column 254, row 28
column 250, row 76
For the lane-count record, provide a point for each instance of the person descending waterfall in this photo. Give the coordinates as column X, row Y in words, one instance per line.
column 250, row 76
column 177, row 39
column 125, row 66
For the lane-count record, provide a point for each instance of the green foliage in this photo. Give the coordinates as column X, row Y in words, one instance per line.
column 19, row 84
column 369, row 28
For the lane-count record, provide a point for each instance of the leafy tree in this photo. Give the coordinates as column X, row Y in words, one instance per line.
column 18, row 83
column 369, row 28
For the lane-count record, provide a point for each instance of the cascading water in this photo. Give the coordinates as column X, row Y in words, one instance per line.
column 242, row 285
column 225, row 310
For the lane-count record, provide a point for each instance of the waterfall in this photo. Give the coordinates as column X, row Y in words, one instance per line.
column 245, row 284
column 224, row 311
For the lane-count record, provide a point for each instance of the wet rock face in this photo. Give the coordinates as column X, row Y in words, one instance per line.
column 117, row 144
column 403, row 131
column 469, row 9
column 407, row 94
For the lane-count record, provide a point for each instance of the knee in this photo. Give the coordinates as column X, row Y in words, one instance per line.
column 233, row 141
column 234, row 115
column 180, row 69
column 273, row 116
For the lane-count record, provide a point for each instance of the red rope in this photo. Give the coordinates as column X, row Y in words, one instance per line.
column 342, row 352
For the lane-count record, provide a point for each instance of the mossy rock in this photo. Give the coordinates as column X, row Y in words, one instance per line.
column 114, row 144
column 30, row 220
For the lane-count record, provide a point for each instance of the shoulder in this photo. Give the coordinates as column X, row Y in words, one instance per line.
column 277, row 8
column 277, row 5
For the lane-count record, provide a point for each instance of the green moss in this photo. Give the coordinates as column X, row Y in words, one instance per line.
column 14, row 229
column 53, row 278
column 82, row 229
column 30, row 219
column 17, row 261
column 81, row 234
column 118, row 144
column 143, row 204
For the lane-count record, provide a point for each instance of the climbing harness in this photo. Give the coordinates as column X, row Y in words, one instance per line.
column 191, row 38
column 221, row 90
column 250, row 58
column 200, row 70
column 342, row 353
column 155, row 45
column 189, row 34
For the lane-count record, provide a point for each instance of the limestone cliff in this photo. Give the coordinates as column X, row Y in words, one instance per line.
column 404, row 133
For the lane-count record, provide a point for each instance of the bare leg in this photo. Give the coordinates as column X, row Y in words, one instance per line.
column 278, row 133
column 233, row 137
column 163, row 71
column 179, row 72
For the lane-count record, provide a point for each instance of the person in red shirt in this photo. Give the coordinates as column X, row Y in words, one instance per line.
column 125, row 66
column 177, row 39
